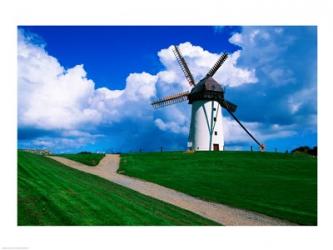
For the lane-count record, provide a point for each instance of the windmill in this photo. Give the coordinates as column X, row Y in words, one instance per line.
column 207, row 100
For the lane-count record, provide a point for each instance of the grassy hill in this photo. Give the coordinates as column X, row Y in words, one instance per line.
column 279, row 185
column 50, row 193
column 91, row 159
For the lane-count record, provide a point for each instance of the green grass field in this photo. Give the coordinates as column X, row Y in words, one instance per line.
column 279, row 185
column 50, row 193
column 88, row 159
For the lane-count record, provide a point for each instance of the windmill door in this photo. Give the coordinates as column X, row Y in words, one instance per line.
column 216, row 147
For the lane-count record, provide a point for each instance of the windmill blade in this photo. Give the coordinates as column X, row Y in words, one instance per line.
column 217, row 65
column 229, row 105
column 262, row 146
column 183, row 65
column 168, row 100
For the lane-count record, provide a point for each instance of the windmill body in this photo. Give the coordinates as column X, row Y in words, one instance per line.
column 207, row 100
column 206, row 130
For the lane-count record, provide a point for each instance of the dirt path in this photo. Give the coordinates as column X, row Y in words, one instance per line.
column 107, row 169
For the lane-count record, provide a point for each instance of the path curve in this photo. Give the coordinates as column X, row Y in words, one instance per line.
column 229, row 216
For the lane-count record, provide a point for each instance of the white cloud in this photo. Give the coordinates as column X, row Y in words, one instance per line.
column 61, row 143
column 234, row 76
column 280, row 76
column 51, row 97
column 140, row 86
column 171, row 126
column 200, row 61
column 302, row 97
column 236, row 39
column 258, row 46
column 233, row 133
column 285, row 63
column 264, row 48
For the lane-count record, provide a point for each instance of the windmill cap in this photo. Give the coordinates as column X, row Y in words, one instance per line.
column 207, row 83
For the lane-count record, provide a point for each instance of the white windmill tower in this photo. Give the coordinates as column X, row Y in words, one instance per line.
column 207, row 99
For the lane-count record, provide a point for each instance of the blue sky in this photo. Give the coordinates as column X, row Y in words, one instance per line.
column 89, row 88
column 111, row 53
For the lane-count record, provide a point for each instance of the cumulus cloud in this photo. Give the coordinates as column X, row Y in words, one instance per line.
column 61, row 144
column 51, row 97
column 171, row 126
column 200, row 61
column 300, row 99
column 233, row 133
column 262, row 47
column 285, row 62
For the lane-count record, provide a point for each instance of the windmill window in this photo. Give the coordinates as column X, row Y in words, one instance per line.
column 214, row 119
column 214, row 109
column 215, row 132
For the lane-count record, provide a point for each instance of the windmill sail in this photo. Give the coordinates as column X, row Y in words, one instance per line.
column 183, row 65
column 217, row 65
column 262, row 146
column 229, row 105
column 168, row 100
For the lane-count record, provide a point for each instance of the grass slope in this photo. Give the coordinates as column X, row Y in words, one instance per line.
column 87, row 159
column 279, row 185
column 50, row 193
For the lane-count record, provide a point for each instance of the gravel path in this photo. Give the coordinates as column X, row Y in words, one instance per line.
column 229, row 216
